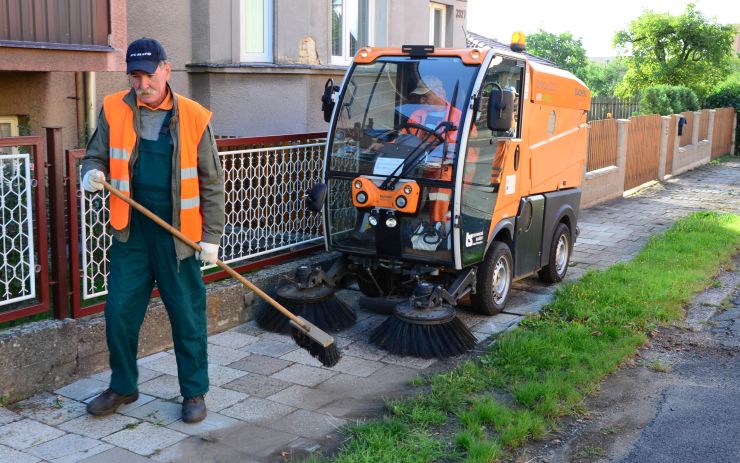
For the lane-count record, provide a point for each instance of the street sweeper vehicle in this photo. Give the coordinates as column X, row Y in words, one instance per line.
column 449, row 173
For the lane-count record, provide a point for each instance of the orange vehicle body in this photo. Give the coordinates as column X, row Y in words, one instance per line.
column 553, row 139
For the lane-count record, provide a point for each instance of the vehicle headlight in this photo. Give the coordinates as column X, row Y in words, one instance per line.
column 358, row 184
column 401, row 202
column 373, row 220
column 391, row 222
column 361, row 197
column 407, row 189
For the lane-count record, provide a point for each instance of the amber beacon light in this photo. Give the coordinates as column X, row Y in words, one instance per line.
column 518, row 42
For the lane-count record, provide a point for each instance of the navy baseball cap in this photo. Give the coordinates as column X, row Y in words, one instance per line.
column 144, row 55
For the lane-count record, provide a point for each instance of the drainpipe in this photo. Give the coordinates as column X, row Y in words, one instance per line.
column 80, row 108
column 90, row 92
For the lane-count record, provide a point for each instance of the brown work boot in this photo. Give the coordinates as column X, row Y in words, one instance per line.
column 194, row 409
column 108, row 401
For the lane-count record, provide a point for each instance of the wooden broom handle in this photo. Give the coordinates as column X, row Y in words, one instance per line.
column 195, row 246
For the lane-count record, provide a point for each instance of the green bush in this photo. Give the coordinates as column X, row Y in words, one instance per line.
column 726, row 96
column 668, row 99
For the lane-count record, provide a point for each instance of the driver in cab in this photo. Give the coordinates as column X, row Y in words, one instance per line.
column 435, row 109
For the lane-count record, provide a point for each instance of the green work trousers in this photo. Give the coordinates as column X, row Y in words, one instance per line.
column 148, row 257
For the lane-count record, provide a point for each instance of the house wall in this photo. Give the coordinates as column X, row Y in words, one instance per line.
column 253, row 105
column 44, row 98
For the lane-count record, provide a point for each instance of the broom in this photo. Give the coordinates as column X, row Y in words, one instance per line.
column 308, row 336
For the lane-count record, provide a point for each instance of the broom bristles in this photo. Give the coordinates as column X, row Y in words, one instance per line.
column 327, row 355
column 426, row 340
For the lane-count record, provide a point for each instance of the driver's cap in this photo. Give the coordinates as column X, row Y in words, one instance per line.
column 426, row 84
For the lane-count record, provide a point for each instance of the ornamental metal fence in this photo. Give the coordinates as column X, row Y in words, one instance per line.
column 17, row 252
column 24, row 270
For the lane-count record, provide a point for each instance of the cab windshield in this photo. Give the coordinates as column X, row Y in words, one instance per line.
column 399, row 118
column 399, row 115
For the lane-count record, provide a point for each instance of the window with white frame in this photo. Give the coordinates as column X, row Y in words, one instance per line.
column 8, row 128
column 255, row 31
column 437, row 24
column 356, row 24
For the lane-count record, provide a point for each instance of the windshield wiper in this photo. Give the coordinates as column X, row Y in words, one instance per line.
column 417, row 154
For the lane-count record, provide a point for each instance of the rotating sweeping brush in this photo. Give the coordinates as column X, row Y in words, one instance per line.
column 311, row 298
column 420, row 327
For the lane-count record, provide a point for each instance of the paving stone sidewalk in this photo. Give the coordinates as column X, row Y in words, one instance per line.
column 270, row 400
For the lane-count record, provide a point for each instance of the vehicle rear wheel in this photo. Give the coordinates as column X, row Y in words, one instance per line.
column 493, row 285
column 561, row 249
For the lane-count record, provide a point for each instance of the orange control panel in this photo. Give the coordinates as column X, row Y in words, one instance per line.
column 404, row 198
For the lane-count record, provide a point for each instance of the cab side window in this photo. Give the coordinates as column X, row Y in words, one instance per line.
column 508, row 75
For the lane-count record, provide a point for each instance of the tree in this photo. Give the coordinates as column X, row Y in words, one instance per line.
column 563, row 50
column 686, row 50
column 603, row 79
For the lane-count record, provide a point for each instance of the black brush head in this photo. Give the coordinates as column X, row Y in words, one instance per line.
column 401, row 336
column 327, row 355
column 322, row 308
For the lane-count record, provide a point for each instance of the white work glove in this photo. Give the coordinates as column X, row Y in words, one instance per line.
column 91, row 180
column 208, row 253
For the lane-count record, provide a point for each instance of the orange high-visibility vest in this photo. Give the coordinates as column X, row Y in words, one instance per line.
column 193, row 120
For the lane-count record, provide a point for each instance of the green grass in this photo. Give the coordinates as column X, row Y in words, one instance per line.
column 660, row 367
column 544, row 369
column 723, row 159
column 588, row 452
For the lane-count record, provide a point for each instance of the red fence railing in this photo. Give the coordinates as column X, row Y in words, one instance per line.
column 41, row 303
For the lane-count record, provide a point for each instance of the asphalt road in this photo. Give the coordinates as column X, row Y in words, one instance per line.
column 698, row 418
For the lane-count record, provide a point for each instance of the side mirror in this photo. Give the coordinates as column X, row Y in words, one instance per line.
column 327, row 100
column 315, row 197
column 500, row 109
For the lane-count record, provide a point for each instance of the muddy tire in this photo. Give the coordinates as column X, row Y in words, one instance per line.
column 493, row 285
column 558, row 258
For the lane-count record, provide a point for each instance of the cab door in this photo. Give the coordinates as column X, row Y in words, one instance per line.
column 493, row 164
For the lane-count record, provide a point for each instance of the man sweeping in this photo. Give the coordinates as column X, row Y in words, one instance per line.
column 157, row 147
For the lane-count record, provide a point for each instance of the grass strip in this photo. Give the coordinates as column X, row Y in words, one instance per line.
column 543, row 370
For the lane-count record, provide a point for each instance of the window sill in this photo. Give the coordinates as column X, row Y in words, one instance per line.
column 265, row 68
column 55, row 46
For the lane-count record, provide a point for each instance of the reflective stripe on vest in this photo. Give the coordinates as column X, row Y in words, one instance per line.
column 193, row 120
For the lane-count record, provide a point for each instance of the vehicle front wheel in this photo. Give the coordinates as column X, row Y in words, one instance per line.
column 493, row 285
column 561, row 249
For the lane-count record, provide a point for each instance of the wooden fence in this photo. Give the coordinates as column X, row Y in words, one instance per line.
column 602, row 144
column 704, row 125
column 688, row 129
column 646, row 148
column 724, row 122
column 643, row 150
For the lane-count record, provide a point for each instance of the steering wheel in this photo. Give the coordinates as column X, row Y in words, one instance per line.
column 423, row 128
